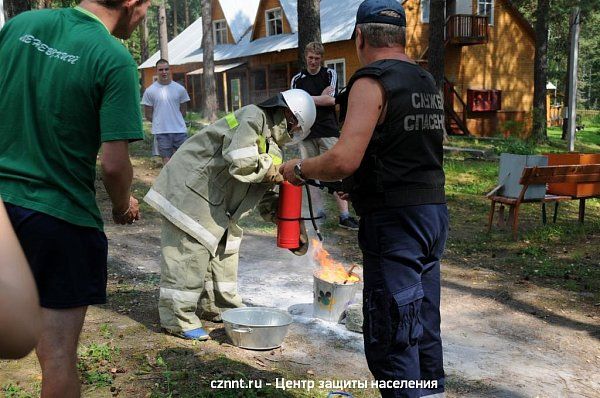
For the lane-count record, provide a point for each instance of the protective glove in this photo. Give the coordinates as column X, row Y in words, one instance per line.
column 303, row 247
column 267, row 207
column 273, row 176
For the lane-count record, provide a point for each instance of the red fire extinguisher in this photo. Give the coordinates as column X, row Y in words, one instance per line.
column 288, row 215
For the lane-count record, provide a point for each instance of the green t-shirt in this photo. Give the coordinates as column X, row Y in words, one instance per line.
column 66, row 86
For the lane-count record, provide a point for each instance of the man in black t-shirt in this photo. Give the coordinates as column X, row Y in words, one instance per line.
column 321, row 83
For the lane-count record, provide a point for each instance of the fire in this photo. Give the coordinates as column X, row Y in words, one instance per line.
column 330, row 270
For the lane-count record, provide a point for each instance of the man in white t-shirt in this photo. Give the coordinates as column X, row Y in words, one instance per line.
column 165, row 107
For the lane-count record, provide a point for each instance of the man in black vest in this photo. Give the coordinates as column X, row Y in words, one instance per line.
column 321, row 83
column 391, row 146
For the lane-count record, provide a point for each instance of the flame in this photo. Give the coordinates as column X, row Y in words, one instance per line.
column 330, row 270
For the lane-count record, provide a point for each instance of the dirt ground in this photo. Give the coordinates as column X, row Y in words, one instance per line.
column 503, row 336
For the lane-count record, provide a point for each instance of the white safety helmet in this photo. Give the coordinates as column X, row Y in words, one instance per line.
column 303, row 107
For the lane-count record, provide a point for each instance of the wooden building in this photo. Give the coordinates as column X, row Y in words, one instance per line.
column 489, row 55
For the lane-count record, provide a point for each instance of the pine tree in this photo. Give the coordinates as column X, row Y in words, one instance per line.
column 309, row 26
column 208, row 45
column 15, row 7
column 540, row 73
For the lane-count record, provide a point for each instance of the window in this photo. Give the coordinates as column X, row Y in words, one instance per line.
column 220, row 32
column 259, row 79
column 486, row 7
column 274, row 19
column 339, row 66
column 425, row 11
column 484, row 100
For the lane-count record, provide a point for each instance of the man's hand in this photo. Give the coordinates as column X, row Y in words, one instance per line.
column 287, row 170
column 344, row 196
column 328, row 91
column 303, row 247
column 273, row 176
column 127, row 216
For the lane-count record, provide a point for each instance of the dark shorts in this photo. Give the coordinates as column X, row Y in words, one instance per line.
column 68, row 261
column 169, row 143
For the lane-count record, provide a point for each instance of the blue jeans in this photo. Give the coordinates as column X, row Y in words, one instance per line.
column 402, row 248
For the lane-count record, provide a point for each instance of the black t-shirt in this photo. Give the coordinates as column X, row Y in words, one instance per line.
column 326, row 124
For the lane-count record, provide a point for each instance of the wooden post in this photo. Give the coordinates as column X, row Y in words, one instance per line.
column 268, row 73
column 225, row 99
column 573, row 58
column 249, row 86
column 193, row 93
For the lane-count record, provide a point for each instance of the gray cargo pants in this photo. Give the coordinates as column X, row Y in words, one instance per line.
column 189, row 273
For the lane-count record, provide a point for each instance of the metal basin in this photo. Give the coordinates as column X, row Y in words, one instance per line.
column 256, row 328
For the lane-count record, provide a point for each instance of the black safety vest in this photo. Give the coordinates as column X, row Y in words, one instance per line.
column 402, row 165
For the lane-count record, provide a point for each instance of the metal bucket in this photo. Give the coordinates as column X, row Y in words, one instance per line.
column 331, row 299
column 256, row 328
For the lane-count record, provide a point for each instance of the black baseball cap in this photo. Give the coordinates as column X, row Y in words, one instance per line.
column 373, row 11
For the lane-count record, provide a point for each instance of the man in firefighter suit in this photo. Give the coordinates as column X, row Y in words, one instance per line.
column 391, row 146
column 211, row 182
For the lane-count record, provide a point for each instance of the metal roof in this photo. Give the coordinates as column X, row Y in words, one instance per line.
column 337, row 24
column 240, row 15
column 218, row 68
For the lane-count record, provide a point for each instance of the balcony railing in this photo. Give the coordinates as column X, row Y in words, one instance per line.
column 464, row 29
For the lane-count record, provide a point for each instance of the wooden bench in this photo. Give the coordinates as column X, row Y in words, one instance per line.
column 543, row 175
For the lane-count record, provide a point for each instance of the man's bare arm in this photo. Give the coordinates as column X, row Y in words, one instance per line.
column 148, row 112
column 183, row 109
column 117, row 174
column 326, row 98
column 365, row 105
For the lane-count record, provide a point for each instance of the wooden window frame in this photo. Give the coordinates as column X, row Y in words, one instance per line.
column 491, row 14
column 222, row 32
column 340, row 84
column 267, row 20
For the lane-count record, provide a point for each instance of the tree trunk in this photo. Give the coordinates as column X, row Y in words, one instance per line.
column 15, row 7
column 436, row 56
column 540, row 74
column 309, row 26
column 144, row 40
column 186, row 4
column 162, row 31
column 436, row 52
column 575, row 25
column 175, row 28
column 571, row 78
column 208, row 45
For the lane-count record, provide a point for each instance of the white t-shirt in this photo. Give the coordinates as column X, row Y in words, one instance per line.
column 165, row 100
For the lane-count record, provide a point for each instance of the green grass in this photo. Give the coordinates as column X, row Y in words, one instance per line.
column 470, row 177
column 184, row 373
column 106, row 330
column 95, row 363
column 586, row 141
column 538, row 254
column 15, row 391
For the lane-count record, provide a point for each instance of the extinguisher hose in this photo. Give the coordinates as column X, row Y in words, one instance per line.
column 312, row 215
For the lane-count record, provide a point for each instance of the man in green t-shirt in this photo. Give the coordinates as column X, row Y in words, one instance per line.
column 68, row 88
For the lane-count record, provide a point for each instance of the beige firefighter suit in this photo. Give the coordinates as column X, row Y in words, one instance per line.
column 214, row 179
